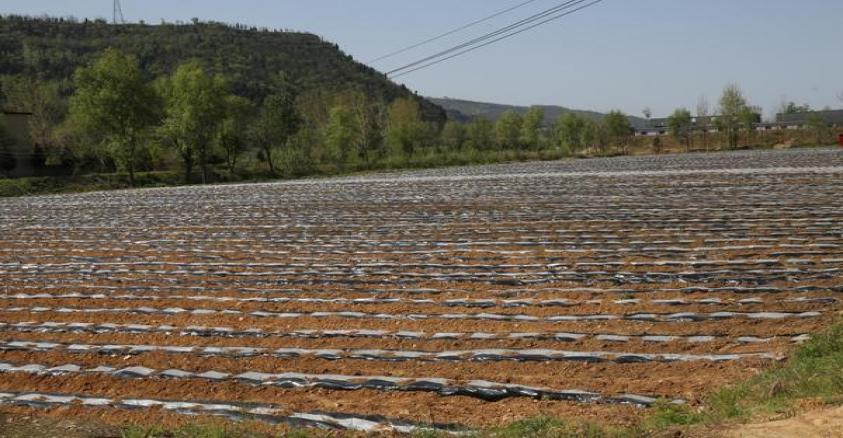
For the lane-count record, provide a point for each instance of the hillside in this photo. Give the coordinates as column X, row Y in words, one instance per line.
column 52, row 48
column 463, row 110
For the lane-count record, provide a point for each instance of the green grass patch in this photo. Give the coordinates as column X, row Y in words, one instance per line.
column 814, row 372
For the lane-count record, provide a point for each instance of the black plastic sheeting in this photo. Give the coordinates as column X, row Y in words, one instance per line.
column 235, row 411
column 228, row 332
column 484, row 390
column 646, row 317
column 475, row 355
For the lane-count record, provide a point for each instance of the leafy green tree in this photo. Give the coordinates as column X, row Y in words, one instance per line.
column 194, row 108
column 570, row 129
column 239, row 111
column 732, row 102
column 369, row 114
column 480, row 134
column 531, row 127
column 747, row 118
column 679, row 124
column 594, row 135
column 342, row 133
column 313, row 108
column 405, row 131
column 114, row 101
column 453, row 135
column 793, row 108
column 278, row 120
column 508, row 130
column 618, row 129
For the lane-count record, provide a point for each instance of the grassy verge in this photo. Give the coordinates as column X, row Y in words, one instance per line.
column 83, row 183
column 426, row 159
column 114, row 181
column 813, row 373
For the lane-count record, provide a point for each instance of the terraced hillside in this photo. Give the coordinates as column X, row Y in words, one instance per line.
column 458, row 298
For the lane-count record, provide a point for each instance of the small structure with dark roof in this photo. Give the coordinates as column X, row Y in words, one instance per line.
column 21, row 152
column 800, row 120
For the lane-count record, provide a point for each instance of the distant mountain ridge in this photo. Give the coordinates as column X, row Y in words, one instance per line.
column 53, row 48
column 464, row 110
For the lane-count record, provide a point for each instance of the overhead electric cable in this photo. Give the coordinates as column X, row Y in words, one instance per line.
column 453, row 31
column 475, row 47
column 518, row 24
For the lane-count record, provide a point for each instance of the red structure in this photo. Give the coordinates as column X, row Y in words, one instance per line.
column 840, row 139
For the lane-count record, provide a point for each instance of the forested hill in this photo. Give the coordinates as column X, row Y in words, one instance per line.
column 52, row 49
column 465, row 109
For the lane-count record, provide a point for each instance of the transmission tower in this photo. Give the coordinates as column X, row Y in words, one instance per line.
column 118, row 13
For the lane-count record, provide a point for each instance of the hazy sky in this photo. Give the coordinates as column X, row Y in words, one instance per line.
column 626, row 54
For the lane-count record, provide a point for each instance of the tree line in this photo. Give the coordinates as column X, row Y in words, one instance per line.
column 112, row 118
column 733, row 122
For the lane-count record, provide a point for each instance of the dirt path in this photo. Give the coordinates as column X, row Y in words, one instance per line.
column 825, row 423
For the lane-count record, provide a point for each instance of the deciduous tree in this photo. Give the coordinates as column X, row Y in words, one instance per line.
column 453, row 135
column 370, row 115
column 618, row 128
column 679, row 124
column 570, row 128
column 732, row 102
column 114, row 101
column 747, row 118
column 239, row 112
column 278, row 119
column 531, row 127
column 793, row 108
column 194, row 108
column 342, row 134
column 480, row 134
column 508, row 130
column 405, row 131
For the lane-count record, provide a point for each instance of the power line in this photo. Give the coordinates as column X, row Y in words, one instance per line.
column 492, row 34
column 453, row 31
column 526, row 21
column 506, row 32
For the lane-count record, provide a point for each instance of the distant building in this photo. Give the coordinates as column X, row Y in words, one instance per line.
column 800, row 120
column 661, row 126
column 22, row 151
column 794, row 121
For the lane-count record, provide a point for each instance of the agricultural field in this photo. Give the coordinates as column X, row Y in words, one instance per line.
column 455, row 298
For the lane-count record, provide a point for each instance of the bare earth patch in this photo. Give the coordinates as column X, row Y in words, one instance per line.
column 824, row 423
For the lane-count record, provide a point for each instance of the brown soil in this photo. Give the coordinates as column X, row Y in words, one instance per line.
column 419, row 407
column 608, row 230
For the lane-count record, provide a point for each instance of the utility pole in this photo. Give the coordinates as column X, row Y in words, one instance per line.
column 117, row 17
